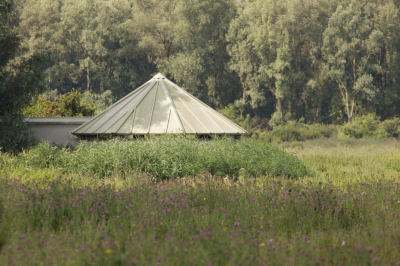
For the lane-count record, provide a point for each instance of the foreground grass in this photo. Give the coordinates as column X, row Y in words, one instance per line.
column 65, row 219
column 200, row 221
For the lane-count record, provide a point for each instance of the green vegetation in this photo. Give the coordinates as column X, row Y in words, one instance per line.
column 346, row 213
column 367, row 126
column 318, row 78
column 295, row 131
column 163, row 158
column 267, row 62
column 348, row 161
column 73, row 103
column 278, row 60
column 19, row 81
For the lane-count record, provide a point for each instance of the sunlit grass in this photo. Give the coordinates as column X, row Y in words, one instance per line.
column 162, row 158
column 346, row 161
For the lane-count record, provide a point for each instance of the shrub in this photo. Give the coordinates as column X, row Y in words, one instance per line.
column 296, row 131
column 361, row 127
column 73, row 103
column 41, row 108
column 232, row 112
column 321, row 130
column 3, row 226
column 14, row 134
column 368, row 126
column 391, row 127
column 291, row 131
column 166, row 157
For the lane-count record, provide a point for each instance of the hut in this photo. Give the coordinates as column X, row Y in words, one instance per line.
column 159, row 107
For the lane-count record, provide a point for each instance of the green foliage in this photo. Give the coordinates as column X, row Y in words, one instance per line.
column 167, row 157
column 19, row 81
column 72, row 103
column 362, row 127
column 15, row 134
column 347, row 42
column 232, row 112
column 99, row 102
column 3, row 226
column 323, row 61
column 391, row 127
column 41, row 156
column 206, row 219
column 297, row 131
column 41, row 108
column 368, row 126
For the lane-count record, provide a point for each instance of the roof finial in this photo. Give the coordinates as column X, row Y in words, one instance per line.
column 159, row 76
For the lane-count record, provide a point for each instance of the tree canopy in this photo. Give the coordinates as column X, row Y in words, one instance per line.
column 20, row 80
column 313, row 60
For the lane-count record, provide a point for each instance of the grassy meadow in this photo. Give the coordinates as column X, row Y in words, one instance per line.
column 323, row 202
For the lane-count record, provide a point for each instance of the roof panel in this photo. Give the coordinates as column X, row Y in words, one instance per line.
column 197, row 111
column 107, row 118
column 161, row 112
column 143, row 113
column 118, row 115
column 191, row 123
column 174, row 125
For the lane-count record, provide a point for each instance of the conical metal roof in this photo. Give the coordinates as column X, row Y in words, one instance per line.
column 157, row 107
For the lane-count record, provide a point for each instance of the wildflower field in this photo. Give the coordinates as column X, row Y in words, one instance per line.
column 341, row 207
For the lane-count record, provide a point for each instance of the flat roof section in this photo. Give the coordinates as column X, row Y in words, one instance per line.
column 57, row 120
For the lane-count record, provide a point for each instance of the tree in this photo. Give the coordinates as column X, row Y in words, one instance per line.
column 383, row 45
column 347, row 49
column 275, row 48
column 186, row 40
column 90, row 44
column 19, row 81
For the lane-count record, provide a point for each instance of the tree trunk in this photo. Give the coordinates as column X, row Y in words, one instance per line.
column 88, row 79
column 243, row 79
column 347, row 110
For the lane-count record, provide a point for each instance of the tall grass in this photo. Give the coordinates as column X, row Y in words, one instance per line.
column 200, row 221
column 347, row 161
column 166, row 157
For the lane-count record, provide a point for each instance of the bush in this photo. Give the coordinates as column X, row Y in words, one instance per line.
column 361, row 127
column 391, row 127
column 166, row 157
column 251, row 124
column 368, row 126
column 73, row 103
column 3, row 227
column 14, row 134
column 296, row 131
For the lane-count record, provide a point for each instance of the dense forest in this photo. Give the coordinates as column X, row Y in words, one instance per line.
column 318, row 61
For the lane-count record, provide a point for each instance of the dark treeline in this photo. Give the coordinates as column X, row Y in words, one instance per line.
column 321, row 61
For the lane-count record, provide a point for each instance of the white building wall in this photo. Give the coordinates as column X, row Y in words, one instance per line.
column 58, row 134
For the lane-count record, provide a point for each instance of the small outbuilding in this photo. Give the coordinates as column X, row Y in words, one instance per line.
column 159, row 107
column 55, row 129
